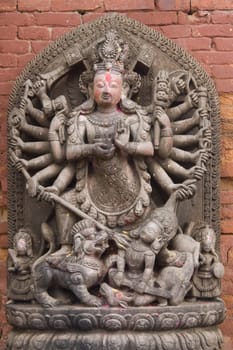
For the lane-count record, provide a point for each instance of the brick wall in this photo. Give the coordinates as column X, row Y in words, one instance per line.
column 204, row 28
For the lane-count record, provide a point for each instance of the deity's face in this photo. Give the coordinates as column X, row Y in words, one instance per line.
column 107, row 88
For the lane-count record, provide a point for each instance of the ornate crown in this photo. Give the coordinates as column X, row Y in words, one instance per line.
column 110, row 53
column 163, row 76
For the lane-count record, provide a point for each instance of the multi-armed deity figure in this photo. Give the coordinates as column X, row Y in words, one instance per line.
column 111, row 156
column 98, row 161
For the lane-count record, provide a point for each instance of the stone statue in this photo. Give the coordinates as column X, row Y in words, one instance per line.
column 111, row 147
column 20, row 261
column 206, row 278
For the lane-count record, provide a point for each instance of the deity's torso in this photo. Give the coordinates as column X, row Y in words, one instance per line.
column 114, row 186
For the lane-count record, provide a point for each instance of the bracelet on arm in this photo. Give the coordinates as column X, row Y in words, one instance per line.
column 53, row 136
column 131, row 148
column 166, row 132
column 86, row 151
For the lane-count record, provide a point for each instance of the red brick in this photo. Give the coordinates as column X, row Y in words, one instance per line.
column 224, row 85
column 3, row 227
column 213, row 57
column 227, row 226
column 7, row 5
column 37, row 46
column 123, row 5
column 212, row 4
column 91, row 16
column 227, row 141
column 194, row 44
column 226, row 246
column 154, row 18
column 223, row 44
column 24, row 59
column 35, row 5
column 176, row 31
column 222, row 17
column 6, row 87
column 8, row 60
column 227, row 282
column 227, row 326
column 228, row 300
column 3, row 277
column 4, row 241
column 182, row 5
column 57, row 32
column 227, row 211
column 227, row 169
column 74, row 5
column 227, row 125
column 3, row 105
column 195, row 18
column 14, row 46
column 8, row 32
column 228, row 342
column 34, row 33
column 58, row 19
column 18, row 19
column 222, row 71
column 213, row 30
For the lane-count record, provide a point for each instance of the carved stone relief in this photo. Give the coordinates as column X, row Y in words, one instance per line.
column 113, row 137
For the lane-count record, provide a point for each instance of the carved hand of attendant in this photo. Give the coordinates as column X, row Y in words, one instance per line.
column 12, row 268
column 202, row 259
column 192, row 99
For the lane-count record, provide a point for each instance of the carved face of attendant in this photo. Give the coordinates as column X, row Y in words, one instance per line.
column 21, row 247
column 208, row 240
column 107, row 89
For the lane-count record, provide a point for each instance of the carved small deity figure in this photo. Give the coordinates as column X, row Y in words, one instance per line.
column 78, row 271
column 20, row 260
column 206, row 279
column 135, row 265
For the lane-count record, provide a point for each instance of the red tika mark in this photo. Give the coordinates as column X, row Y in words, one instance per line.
column 108, row 77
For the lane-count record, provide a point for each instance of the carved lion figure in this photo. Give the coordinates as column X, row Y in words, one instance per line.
column 78, row 271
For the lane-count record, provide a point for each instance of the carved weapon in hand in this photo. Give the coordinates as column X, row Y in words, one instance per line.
column 204, row 122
